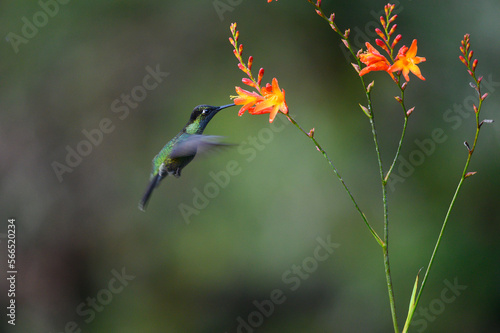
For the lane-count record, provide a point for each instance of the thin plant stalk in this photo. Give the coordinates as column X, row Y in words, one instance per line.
column 335, row 170
column 369, row 112
column 471, row 66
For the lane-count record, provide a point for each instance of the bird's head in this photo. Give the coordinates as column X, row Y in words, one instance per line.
column 200, row 117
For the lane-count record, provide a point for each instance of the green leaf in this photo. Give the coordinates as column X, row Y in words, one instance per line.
column 411, row 308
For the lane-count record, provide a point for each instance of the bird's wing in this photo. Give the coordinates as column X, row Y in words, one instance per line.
column 197, row 143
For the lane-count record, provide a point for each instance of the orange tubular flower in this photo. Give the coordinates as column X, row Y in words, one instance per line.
column 407, row 61
column 247, row 99
column 274, row 101
column 269, row 99
column 374, row 61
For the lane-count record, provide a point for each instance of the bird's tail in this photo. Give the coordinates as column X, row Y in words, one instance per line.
column 145, row 198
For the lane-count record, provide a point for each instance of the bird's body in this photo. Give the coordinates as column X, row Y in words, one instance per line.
column 182, row 148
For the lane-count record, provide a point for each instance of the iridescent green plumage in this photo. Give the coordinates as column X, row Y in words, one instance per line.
column 181, row 150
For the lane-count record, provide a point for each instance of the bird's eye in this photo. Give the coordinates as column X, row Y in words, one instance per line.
column 205, row 111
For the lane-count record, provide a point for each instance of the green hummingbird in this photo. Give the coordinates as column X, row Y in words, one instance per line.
column 179, row 151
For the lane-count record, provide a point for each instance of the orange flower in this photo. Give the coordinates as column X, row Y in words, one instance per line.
column 271, row 101
column 247, row 99
column 374, row 61
column 274, row 101
column 407, row 61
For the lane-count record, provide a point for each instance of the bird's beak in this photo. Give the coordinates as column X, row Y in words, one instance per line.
column 225, row 106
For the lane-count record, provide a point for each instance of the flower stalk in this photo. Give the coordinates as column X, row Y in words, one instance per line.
column 270, row 99
column 466, row 59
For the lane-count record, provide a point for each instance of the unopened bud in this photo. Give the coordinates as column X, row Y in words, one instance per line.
column 261, row 74
column 370, row 86
column 475, row 108
column 248, row 82
column 409, row 112
column 396, row 40
column 382, row 21
column 393, row 29
column 474, row 65
column 468, row 174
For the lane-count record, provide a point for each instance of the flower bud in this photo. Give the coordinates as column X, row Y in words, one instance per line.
column 408, row 113
column 393, row 29
column 474, row 64
column 396, row 40
column 370, row 86
column 382, row 21
column 468, row 174
column 261, row 74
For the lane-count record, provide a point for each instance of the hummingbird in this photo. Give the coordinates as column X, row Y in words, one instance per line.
column 181, row 150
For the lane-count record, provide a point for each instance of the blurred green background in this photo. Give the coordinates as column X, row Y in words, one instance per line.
column 259, row 237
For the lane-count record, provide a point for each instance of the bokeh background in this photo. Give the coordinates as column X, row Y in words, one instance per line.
column 207, row 271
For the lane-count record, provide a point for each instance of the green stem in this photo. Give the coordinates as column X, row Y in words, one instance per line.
column 386, row 178
column 443, row 227
column 385, row 246
column 453, row 200
column 325, row 155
